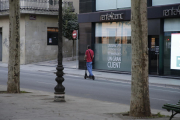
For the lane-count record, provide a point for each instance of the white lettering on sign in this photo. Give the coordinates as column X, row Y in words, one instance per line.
column 74, row 34
column 111, row 16
column 114, row 56
column 172, row 11
column 114, row 64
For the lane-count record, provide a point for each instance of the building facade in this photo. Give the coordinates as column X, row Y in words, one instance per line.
column 38, row 30
column 106, row 26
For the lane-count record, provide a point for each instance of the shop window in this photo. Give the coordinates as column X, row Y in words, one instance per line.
column 164, row 2
column 123, row 4
column 172, row 24
column 52, row 36
column 113, row 46
column 171, row 53
column 112, row 4
column 172, row 46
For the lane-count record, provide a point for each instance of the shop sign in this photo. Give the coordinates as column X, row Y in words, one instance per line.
column 114, row 56
column 111, row 16
column 32, row 17
column 171, row 12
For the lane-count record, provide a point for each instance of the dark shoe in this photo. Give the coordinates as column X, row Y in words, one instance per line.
column 93, row 77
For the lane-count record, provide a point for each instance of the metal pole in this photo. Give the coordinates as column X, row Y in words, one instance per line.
column 157, row 62
column 77, row 51
column 59, row 94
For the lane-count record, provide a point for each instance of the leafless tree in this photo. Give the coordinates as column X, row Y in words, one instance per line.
column 13, row 84
column 140, row 103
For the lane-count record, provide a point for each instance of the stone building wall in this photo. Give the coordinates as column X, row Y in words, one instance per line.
column 33, row 37
column 37, row 49
column 4, row 24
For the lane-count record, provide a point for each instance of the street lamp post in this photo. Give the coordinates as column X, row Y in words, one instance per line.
column 59, row 88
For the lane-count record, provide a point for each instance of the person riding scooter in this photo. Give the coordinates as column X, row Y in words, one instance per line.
column 89, row 55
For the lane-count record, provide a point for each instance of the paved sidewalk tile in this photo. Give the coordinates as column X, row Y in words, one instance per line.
column 39, row 105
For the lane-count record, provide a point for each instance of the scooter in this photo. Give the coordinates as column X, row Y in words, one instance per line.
column 86, row 76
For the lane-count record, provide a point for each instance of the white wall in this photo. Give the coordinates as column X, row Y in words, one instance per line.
column 33, row 39
column 76, row 6
column 36, row 39
column 4, row 23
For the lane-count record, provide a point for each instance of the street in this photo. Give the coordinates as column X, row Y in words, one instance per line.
column 103, row 90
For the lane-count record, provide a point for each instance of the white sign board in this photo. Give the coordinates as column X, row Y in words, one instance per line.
column 175, row 51
column 114, row 56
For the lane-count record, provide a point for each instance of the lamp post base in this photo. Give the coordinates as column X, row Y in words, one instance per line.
column 59, row 98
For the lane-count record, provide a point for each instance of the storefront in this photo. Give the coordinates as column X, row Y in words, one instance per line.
column 113, row 46
column 109, row 34
column 172, row 46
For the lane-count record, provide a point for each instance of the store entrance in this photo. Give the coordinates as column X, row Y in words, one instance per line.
column 153, row 47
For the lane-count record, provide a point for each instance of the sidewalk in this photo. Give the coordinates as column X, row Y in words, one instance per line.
column 39, row 105
column 70, row 69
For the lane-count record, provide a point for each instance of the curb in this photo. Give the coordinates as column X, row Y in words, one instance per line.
column 129, row 81
column 120, row 80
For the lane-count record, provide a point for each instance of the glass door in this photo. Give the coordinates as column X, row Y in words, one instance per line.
column 153, row 47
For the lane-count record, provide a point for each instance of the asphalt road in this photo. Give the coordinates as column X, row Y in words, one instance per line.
column 104, row 90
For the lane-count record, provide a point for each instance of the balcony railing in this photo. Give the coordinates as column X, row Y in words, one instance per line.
column 43, row 5
column 35, row 5
column 68, row 4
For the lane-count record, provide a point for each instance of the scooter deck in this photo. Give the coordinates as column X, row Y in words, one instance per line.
column 86, row 76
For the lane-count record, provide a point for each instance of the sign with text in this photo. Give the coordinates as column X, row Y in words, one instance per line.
column 114, row 56
column 171, row 12
column 175, row 51
column 74, row 34
column 111, row 16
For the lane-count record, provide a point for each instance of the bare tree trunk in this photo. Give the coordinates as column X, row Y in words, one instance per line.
column 140, row 104
column 13, row 84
